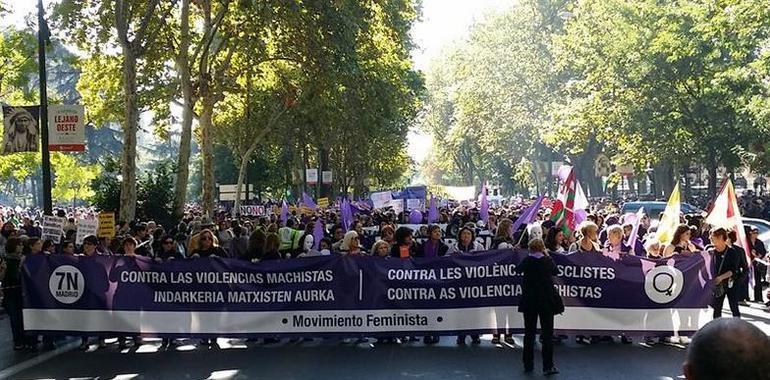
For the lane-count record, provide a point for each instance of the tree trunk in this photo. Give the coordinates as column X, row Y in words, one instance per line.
column 183, row 160
column 664, row 180
column 712, row 187
column 207, row 150
column 241, row 177
column 130, row 124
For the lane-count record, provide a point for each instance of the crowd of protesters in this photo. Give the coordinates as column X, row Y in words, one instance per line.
column 459, row 230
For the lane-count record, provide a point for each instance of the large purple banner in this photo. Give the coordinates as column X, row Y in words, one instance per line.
column 355, row 296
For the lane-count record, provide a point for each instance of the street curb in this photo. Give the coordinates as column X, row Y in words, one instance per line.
column 27, row 364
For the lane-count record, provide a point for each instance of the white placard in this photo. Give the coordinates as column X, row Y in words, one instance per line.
column 86, row 227
column 381, row 199
column 397, row 204
column 66, row 128
column 311, row 176
column 53, row 227
column 326, row 177
column 251, row 210
column 414, row 204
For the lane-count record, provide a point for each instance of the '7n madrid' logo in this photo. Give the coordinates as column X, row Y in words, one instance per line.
column 66, row 284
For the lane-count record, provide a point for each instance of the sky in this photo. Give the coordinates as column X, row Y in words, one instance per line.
column 442, row 22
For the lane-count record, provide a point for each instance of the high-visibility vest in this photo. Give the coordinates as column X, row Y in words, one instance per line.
column 297, row 239
column 287, row 238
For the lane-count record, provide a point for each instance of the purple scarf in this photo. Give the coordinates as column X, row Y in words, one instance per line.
column 431, row 248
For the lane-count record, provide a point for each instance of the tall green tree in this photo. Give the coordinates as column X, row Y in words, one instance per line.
column 137, row 29
column 664, row 82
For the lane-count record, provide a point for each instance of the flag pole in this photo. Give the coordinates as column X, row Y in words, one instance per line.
column 42, row 36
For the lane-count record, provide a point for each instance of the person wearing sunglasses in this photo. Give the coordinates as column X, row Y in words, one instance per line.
column 207, row 247
column 168, row 250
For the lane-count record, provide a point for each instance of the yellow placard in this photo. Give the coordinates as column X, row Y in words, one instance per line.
column 106, row 225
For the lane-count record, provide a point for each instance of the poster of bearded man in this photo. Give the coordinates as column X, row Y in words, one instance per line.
column 21, row 132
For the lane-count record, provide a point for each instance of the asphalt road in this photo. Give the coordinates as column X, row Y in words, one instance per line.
column 336, row 360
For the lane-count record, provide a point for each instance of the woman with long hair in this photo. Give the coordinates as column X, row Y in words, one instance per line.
column 208, row 246
column 504, row 235
column 554, row 241
column 680, row 243
column 272, row 246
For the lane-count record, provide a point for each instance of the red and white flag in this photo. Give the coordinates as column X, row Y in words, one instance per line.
column 726, row 214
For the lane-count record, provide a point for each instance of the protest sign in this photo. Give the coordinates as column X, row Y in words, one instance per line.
column 397, row 205
column 252, row 210
column 354, row 295
column 323, row 202
column 53, row 227
column 86, row 227
column 106, row 225
column 414, row 204
column 381, row 199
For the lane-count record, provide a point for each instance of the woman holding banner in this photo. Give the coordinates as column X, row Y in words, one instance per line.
column 434, row 247
column 404, row 245
column 680, row 243
column 588, row 242
column 539, row 300
column 466, row 244
column 503, row 240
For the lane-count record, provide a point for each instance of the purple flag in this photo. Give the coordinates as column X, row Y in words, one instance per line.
column 529, row 214
column 347, row 214
column 484, row 208
column 284, row 213
column 318, row 233
column 433, row 211
column 308, row 201
column 636, row 220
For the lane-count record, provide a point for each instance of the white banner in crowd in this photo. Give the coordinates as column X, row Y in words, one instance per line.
column 414, row 204
column 460, row 192
column 53, row 227
column 66, row 128
column 86, row 227
column 381, row 199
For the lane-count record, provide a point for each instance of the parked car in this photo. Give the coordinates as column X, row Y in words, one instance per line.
column 655, row 208
column 763, row 226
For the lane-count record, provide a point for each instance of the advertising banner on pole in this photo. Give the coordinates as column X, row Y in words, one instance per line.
column 326, row 177
column 311, row 176
column 66, row 128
